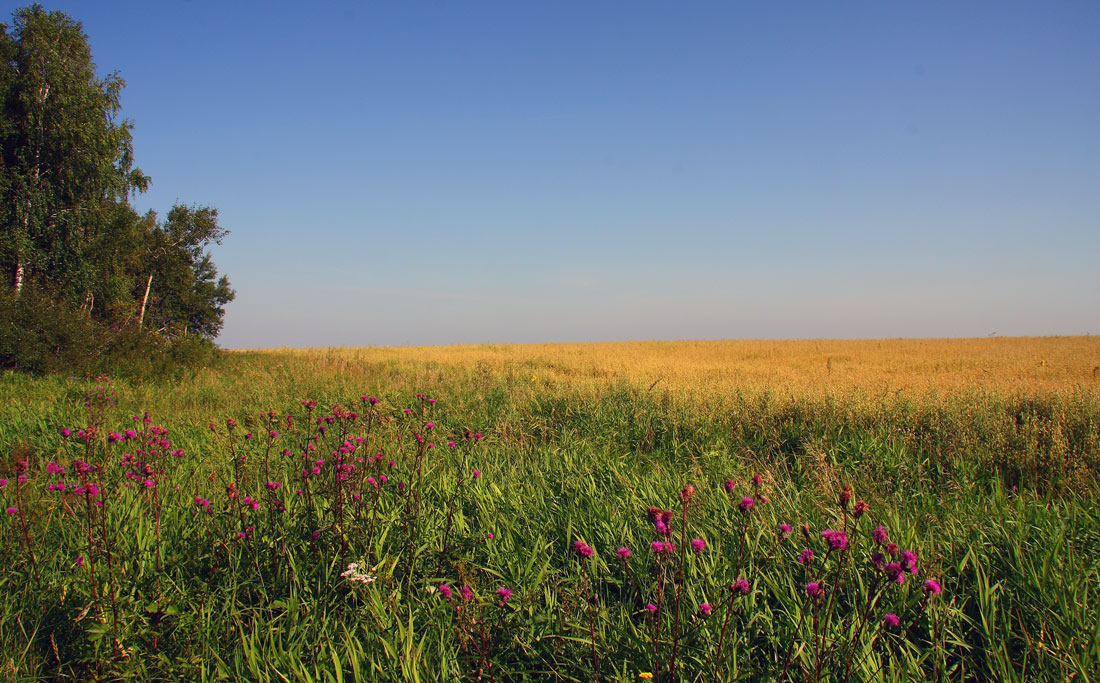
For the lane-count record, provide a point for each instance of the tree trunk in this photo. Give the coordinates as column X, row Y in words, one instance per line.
column 144, row 299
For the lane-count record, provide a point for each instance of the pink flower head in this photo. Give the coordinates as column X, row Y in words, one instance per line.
column 467, row 593
column 880, row 535
column 757, row 480
column 741, row 586
column 583, row 549
column 477, row 474
column 784, row 531
column 12, row 510
column 729, row 484
column 686, row 493
column 932, row 587
column 814, row 589
column 746, row 504
column 891, row 620
column 698, row 545
column 505, row 594
column 909, row 560
column 807, row 557
column 838, row 540
column 623, row 553
column 705, row 608
column 860, row 509
column 651, row 607
column 490, row 536
column 446, row 591
column 894, row 571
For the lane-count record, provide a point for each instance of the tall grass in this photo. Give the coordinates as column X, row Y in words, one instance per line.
column 196, row 558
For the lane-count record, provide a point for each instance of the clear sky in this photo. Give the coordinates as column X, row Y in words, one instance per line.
column 403, row 172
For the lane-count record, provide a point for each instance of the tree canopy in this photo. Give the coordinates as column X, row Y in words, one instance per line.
column 67, row 176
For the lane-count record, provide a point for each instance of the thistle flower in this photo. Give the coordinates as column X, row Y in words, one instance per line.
column 757, row 480
column 894, row 571
column 741, row 586
column 838, row 540
column 467, row 593
column 880, row 535
column 814, row 589
column 784, row 531
column 583, row 549
column 623, row 553
column 807, row 557
column 698, row 545
column 686, row 493
column 909, row 561
column 891, row 620
column 705, row 608
column 13, row 510
column 845, row 496
column 477, row 474
column 746, row 504
column 505, row 594
column 729, row 484
column 860, row 509
column 651, row 607
column 446, row 591
column 932, row 587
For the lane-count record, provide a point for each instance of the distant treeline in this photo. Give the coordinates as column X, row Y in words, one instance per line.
column 89, row 281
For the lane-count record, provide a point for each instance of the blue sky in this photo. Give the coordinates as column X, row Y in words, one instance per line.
column 453, row 172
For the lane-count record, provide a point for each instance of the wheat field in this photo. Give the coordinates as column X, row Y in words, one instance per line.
column 911, row 368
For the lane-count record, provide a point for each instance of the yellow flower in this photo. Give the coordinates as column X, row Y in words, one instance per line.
column 645, row 675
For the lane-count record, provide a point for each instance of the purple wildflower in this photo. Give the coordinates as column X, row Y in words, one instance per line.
column 880, row 534
column 505, row 594
column 698, row 545
column 705, row 608
column 446, row 591
column 932, row 587
column 746, row 504
column 814, row 589
column 741, row 586
column 838, row 540
column 623, row 553
column 891, row 620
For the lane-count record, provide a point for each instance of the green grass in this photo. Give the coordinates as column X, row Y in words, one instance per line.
column 996, row 494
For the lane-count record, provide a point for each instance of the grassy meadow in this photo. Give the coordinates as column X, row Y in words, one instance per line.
column 873, row 510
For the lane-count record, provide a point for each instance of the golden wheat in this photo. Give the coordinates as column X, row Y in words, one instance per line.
column 907, row 368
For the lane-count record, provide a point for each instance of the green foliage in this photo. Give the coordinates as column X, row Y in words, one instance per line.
column 42, row 334
column 67, row 162
column 237, row 593
column 66, row 225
